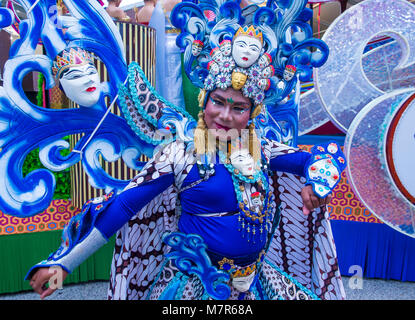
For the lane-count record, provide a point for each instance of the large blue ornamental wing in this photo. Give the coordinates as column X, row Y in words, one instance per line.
column 24, row 126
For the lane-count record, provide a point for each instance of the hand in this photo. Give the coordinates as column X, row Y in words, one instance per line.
column 53, row 276
column 311, row 201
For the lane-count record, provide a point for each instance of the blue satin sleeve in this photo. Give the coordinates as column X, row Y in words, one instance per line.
column 130, row 202
column 295, row 163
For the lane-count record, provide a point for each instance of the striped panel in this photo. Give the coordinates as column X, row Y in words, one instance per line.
column 140, row 46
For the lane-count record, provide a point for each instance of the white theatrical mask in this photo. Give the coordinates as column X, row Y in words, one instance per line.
column 197, row 47
column 264, row 61
column 226, row 48
column 288, row 75
column 81, row 84
column 243, row 162
column 264, row 84
column 246, row 50
column 242, row 284
column 213, row 68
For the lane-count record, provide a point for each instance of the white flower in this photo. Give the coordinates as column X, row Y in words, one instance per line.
column 223, row 81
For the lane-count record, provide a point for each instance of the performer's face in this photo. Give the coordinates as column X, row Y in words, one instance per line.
column 227, row 112
column 81, row 84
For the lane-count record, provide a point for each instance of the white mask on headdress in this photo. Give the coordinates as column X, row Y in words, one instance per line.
column 246, row 50
column 288, row 75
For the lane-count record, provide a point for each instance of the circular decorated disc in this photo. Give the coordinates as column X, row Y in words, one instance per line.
column 380, row 148
column 341, row 83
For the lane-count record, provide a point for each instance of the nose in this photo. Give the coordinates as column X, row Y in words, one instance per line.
column 246, row 51
column 225, row 114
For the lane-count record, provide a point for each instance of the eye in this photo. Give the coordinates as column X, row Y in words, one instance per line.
column 73, row 76
column 216, row 102
column 238, row 109
column 91, row 70
column 254, row 48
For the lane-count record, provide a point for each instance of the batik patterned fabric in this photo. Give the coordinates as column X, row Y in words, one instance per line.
column 299, row 264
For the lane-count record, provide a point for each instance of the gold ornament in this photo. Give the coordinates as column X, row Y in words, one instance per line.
column 238, row 80
column 250, row 31
column 201, row 98
column 256, row 111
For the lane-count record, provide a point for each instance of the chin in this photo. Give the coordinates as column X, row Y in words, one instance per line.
column 87, row 102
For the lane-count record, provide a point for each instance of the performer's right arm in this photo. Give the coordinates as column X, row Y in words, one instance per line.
column 101, row 218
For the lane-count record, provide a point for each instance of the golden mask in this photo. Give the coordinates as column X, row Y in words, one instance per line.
column 238, row 80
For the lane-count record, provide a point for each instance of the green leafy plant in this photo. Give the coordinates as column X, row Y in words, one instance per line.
column 63, row 178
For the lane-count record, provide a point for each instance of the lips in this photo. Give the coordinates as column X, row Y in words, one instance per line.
column 91, row 89
column 218, row 126
column 245, row 59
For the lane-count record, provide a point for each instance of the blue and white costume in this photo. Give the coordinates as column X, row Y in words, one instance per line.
column 169, row 200
column 193, row 229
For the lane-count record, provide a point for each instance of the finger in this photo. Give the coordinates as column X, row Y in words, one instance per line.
column 328, row 199
column 47, row 293
column 308, row 203
column 39, row 283
column 315, row 201
column 325, row 201
column 306, row 211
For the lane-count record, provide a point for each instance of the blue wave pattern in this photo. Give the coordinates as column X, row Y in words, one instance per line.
column 25, row 126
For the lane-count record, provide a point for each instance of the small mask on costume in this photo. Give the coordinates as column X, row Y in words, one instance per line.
column 238, row 80
column 256, row 199
column 243, row 162
column 226, row 47
column 268, row 72
column 264, row 60
column 197, row 47
column 213, row 68
column 289, row 72
column 216, row 55
column 264, row 84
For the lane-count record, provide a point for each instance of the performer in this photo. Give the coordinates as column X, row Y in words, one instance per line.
column 116, row 12
column 143, row 15
column 202, row 219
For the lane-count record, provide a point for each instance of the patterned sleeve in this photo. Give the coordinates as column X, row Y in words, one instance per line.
column 284, row 158
column 100, row 218
column 156, row 176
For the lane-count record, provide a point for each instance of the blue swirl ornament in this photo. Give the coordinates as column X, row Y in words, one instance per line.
column 189, row 254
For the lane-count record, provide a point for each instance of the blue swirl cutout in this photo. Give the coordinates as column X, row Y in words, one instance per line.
column 189, row 254
column 6, row 17
column 25, row 126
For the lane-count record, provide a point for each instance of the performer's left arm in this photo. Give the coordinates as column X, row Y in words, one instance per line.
column 322, row 169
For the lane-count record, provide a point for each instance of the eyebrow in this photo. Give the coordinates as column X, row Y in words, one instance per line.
column 238, row 103
column 69, row 71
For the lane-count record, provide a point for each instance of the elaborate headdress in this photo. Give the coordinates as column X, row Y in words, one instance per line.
column 68, row 58
column 277, row 35
column 219, row 24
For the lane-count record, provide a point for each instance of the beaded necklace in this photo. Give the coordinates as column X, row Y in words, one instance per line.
column 253, row 225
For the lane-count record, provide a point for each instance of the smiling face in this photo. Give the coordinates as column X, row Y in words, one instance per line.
column 226, row 110
column 81, row 84
column 246, row 50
